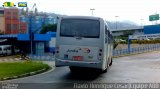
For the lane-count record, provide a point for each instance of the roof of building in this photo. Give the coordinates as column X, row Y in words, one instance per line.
column 9, row 36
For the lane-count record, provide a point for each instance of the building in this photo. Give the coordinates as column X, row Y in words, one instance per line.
column 2, row 22
column 12, row 23
column 147, row 29
column 36, row 23
column 152, row 29
column 11, row 20
column 22, row 27
column 50, row 20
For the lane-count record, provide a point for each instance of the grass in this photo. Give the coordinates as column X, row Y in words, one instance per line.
column 18, row 68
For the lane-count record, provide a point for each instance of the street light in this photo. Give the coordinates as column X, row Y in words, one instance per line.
column 116, row 21
column 142, row 25
column 92, row 9
column 142, row 22
column 30, row 31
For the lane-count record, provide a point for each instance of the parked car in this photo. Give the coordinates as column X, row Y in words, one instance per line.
column 16, row 50
column 8, row 50
column 5, row 50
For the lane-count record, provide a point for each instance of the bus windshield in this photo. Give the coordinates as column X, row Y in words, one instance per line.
column 80, row 28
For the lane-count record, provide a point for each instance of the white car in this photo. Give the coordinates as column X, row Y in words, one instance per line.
column 5, row 50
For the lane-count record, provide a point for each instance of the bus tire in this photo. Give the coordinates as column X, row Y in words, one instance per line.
column 110, row 62
column 105, row 71
column 72, row 69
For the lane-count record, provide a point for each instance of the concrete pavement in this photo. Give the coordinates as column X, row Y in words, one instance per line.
column 141, row 68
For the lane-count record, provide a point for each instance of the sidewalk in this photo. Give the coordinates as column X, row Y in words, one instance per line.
column 9, row 59
column 44, row 57
column 50, row 63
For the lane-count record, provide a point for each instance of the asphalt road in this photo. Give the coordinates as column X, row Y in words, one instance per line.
column 141, row 68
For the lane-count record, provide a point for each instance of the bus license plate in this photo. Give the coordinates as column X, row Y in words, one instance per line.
column 77, row 58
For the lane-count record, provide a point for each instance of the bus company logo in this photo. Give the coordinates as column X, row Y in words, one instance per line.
column 76, row 50
column 86, row 50
column 8, row 4
column 22, row 4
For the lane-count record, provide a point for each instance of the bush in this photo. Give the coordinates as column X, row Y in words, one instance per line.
column 145, row 41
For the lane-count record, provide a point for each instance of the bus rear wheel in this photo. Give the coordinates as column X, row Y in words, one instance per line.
column 110, row 64
column 73, row 69
column 105, row 71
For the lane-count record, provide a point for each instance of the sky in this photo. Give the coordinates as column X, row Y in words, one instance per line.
column 137, row 11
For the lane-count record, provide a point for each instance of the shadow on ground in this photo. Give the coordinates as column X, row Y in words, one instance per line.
column 87, row 74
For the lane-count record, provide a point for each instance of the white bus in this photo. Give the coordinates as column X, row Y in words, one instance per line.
column 83, row 42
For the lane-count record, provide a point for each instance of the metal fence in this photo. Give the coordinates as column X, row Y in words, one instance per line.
column 116, row 53
column 42, row 57
column 147, row 48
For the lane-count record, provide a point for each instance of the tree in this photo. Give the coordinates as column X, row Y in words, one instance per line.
column 126, row 33
column 115, row 44
column 49, row 27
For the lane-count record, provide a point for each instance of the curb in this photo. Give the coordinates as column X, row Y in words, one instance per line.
column 26, row 74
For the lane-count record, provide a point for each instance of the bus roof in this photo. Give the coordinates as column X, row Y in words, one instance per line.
column 80, row 17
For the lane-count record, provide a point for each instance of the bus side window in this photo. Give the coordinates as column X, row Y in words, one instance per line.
column 111, row 39
column 106, row 34
column 106, row 30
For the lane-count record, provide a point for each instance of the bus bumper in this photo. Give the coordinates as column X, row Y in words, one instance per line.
column 60, row 62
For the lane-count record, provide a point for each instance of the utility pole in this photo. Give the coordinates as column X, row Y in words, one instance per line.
column 31, row 16
column 92, row 9
column 30, row 31
column 142, row 24
column 116, row 22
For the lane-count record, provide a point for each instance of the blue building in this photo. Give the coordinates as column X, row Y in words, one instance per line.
column 36, row 23
column 152, row 29
column 41, row 42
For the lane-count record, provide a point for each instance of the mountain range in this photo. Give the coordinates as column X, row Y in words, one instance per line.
column 121, row 25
